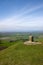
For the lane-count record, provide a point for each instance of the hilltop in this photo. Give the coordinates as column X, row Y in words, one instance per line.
column 20, row 54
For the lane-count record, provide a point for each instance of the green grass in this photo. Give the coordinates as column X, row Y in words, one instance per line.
column 20, row 54
column 6, row 43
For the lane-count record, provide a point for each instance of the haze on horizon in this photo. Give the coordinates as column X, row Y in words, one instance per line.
column 21, row 15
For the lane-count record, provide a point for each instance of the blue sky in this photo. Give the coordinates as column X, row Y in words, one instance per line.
column 21, row 15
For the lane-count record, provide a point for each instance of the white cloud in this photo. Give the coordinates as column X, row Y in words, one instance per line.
column 20, row 22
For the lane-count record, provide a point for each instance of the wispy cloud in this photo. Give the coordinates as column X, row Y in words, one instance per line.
column 21, row 21
column 26, row 10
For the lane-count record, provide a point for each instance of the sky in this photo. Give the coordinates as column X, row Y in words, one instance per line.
column 21, row 15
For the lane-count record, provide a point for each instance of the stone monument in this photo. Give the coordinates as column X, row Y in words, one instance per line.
column 31, row 41
column 31, row 38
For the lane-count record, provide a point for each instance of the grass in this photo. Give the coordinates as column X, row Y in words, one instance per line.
column 6, row 43
column 20, row 54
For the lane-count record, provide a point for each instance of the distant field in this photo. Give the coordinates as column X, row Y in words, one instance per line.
column 20, row 54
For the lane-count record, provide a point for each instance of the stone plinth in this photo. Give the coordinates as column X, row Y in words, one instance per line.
column 31, row 38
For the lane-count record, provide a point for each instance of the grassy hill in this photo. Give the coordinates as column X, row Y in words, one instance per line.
column 20, row 54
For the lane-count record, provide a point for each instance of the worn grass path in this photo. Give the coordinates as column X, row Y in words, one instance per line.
column 20, row 54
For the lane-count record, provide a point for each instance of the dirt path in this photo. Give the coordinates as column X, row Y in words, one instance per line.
column 2, row 47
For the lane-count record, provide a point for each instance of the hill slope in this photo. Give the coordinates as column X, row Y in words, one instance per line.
column 20, row 54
